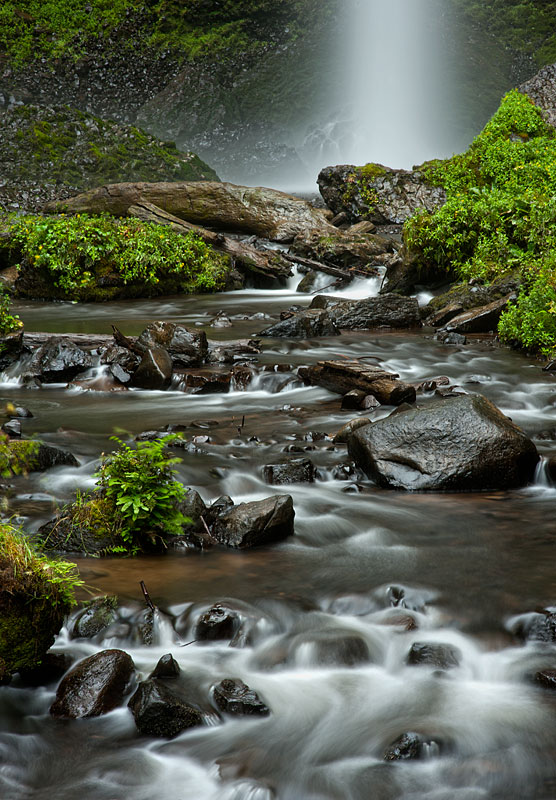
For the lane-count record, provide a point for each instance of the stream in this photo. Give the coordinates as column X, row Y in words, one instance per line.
column 388, row 568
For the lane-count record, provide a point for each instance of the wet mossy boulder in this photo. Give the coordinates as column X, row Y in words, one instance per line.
column 36, row 593
column 52, row 152
column 20, row 456
column 456, row 444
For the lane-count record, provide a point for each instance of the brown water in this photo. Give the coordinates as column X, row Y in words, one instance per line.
column 468, row 563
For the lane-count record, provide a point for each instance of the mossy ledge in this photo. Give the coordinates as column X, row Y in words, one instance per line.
column 36, row 593
column 52, row 152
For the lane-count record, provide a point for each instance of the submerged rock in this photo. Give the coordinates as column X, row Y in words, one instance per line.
column 234, row 697
column 442, row 656
column 158, row 711
column 253, row 524
column 411, row 745
column 94, row 686
column 219, row 622
column 457, row 444
column 97, row 615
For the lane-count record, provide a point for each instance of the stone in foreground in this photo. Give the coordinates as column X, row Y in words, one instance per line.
column 259, row 523
column 158, row 711
column 95, row 686
column 457, row 444
column 234, row 697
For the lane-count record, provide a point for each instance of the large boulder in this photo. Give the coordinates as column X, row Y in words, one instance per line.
column 384, row 311
column 541, row 88
column 94, row 686
column 159, row 711
column 343, row 249
column 258, row 523
column 378, row 193
column 59, row 360
column 185, row 348
column 304, row 325
column 456, row 444
column 154, row 371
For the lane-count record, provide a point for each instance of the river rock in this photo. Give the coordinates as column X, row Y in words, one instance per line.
column 384, row 311
column 331, row 648
column 479, row 320
column 411, row 745
column 344, row 376
column 343, row 249
column 253, row 524
column 219, row 622
column 154, row 371
column 303, row 325
column 541, row 88
column 158, row 711
column 29, row 455
column 97, row 615
column 537, row 627
column 442, row 656
column 377, row 193
column 234, row 697
column 342, row 436
column 11, row 348
column 122, row 362
column 193, row 507
column 298, row 470
column 186, row 348
column 456, row 444
column 59, row 360
column 167, row 667
column 308, row 283
column 94, row 686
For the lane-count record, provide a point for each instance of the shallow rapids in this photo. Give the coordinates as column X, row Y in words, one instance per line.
column 381, row 568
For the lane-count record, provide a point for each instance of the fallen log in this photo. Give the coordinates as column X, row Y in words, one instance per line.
column 254, row 210
column 86, row 341
column 246, row 257
column 342, row 377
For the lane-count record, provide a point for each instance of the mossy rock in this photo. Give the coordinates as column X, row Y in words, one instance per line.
column 20, row 456
column 35, row 595
column 467, row 297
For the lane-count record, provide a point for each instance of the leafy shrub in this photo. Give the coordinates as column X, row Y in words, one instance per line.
column 9, row 323
column 75, row 251
column 500, row 215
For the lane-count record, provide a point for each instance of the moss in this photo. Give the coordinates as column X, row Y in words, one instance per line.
column 372, row 171
column 18, row 456
column 35, row 594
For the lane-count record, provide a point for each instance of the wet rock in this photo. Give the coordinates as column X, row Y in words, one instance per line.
column 537, row 627
column 97, row 615
column 384, row 311
column 353, row 400
column 234, row 697
column 396, row 193
column 186, row 348
column 19, row 412
column 219, row 622
column 154, row 371
column 253, row 524
column 29, row 455
column 219, row 506
column 12, row 428
column 194, row 508
column 158, row 711
column 122, row 362
column 298, row 470
column 411, row 746
column 95, row 686
column 228, row 352
column 346, row 430
column 343, row 249
column 370, row 403
column 167, row 667
column 59, row 360
column 479, row 320
column 450, row 337
column 308, row 283
column 59, row 534
column 442, row 656
column 331, row 648
column 344, row 376
column 221, row 321
column 462, row 444
column 213, row 383
column 303, row 325
column 11, row 348
column 546, row 678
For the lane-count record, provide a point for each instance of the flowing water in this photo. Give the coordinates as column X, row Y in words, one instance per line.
column 388, row 569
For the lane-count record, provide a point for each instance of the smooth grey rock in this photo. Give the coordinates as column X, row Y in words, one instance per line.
column 298, row 470
column 59, row 360
column 155, row 370
column 303, row 325
column 253, row 524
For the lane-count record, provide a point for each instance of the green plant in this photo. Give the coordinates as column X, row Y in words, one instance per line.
column 139, row 487
column 9, row 323
column 76, row 251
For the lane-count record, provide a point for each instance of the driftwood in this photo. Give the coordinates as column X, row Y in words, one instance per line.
column 342, row 377
column 344, row 274
column 124, row 341
column 245, row 256
column 87, row 341
column 263, row 212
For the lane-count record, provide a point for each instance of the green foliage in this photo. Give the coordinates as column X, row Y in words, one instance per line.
column 27, row 571
column 76, row 252
column 500, row 215
column 9, row 323
column 137, row 499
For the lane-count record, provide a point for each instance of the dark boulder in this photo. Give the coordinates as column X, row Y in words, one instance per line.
column 259, row 523
column 455, row 444
column 154, row 371
column 94, row 686
column 411, row 746
column 62, row 535
column 59, row 360
column 332, row 648
column 298, row 470
column 218, row 623
column 303, row 325
column 122, row 362
column 97, row 615
column 537, row 627
column 167, row 667
column 384, row 311
column 546, row 678
column 442, row 656
column 234, row 697
column 185, row 348
column 11, row 348
column 479, row 320
column 158, row 711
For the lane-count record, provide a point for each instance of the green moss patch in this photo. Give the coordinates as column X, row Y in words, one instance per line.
column 97, row 258
column 500, row 215
column 36, row 593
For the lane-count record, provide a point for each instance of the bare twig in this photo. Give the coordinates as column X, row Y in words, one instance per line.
column 148, row 600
